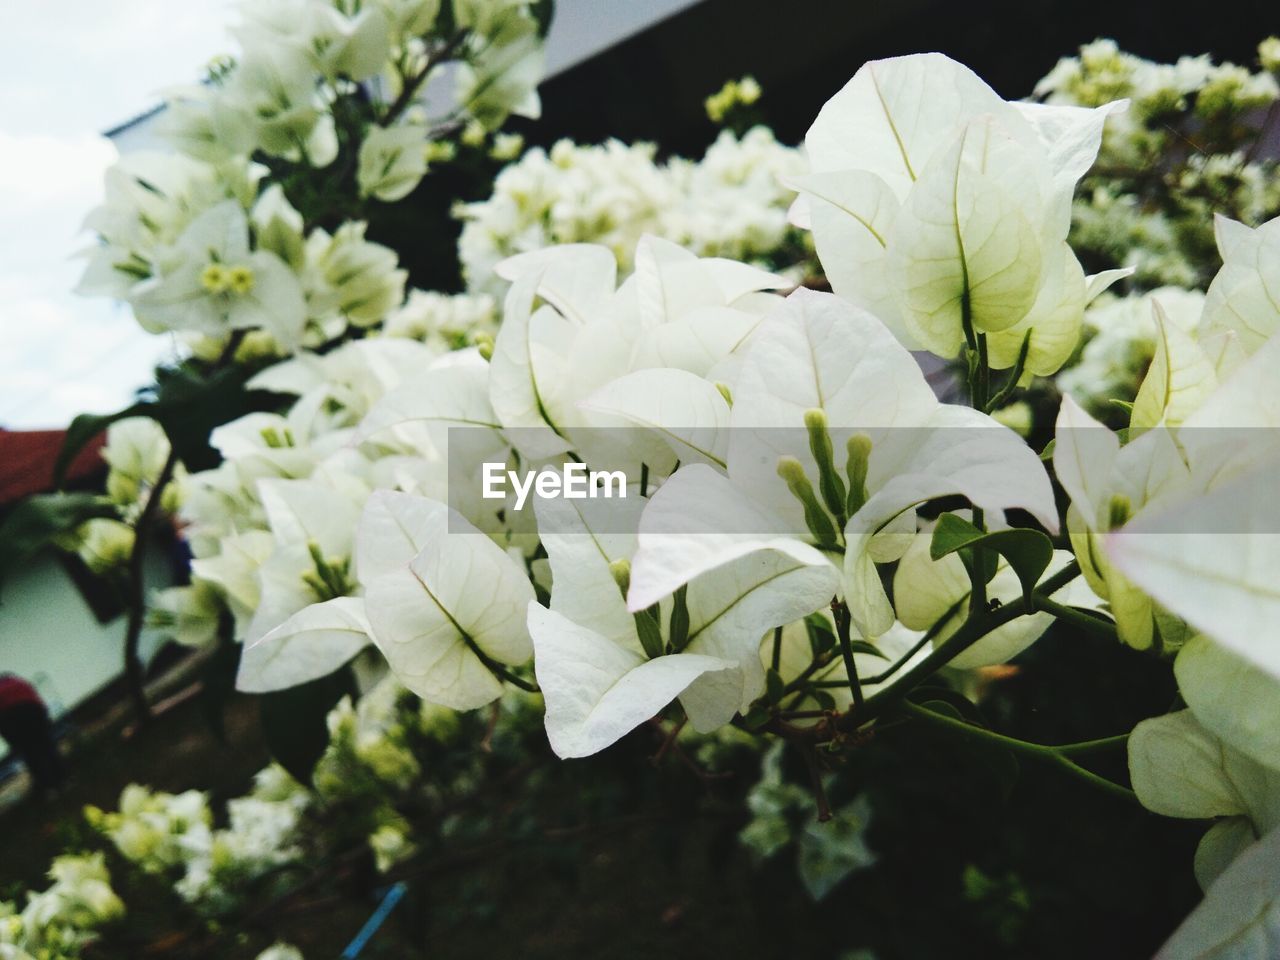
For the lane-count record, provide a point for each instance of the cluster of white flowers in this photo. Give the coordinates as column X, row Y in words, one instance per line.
column 785, row 447
column 1121, row 341
column 173, row 835
column 205, row 241
column 59, row 922
column 135, row 454
column 444, row 321
column 1187, row 148
column 731, row 203
column 784, row 524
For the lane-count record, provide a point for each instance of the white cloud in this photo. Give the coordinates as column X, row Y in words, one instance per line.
column 72, row 70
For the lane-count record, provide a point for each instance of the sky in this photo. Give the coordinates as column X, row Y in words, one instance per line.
column 68, row 71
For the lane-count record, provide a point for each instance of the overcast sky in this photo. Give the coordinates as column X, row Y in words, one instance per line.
column 68, row 71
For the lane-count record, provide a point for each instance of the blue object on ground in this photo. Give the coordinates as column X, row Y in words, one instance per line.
column 393, row 896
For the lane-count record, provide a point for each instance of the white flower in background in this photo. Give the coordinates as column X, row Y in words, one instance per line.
column 944, row 209
column 105, row 544
column 505, row 62
column 275, row 83
column 280, row 951
column 150, row 200
column 392, row 161
column 1121, row 342
column 190, row 615
column 210, row 281
column 409, row 18
column 350, row 277
column 550, row 361
column 135, row 452
column 443, row 321
column 1244, row 297
column 731, row 203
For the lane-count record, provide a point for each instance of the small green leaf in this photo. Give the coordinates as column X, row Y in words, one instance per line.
column 1047, row 453
column 83, row 429
column 861, row 646
column 823, row 699
column 38, row 521
column 1029, row 552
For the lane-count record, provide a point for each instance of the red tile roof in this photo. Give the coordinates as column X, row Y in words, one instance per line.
column 27, row 458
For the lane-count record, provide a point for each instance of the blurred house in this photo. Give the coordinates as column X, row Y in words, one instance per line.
column 61, row 628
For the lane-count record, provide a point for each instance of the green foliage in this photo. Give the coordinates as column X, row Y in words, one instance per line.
column 43, row 520
column 1028, row 551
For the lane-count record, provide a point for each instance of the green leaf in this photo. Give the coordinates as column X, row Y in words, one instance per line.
column 295, row 721
column 861, row 646
column 1028, row 551
column 38, row 521
column 83, row 429
column 1047, row 453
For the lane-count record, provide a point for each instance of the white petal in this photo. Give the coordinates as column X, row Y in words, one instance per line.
column 311, row 644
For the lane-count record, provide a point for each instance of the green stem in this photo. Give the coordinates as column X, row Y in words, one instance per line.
column 135, row 674
column 969, row 633
column 841, row 613
column 1086, row 621
column 412, row 84
column 1054, row 755
column 1094, row 746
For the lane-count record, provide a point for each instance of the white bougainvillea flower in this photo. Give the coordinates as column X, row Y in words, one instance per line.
column 1240, row 915
column 150, row 198
column 1231, row 697
column 1182, row 375
column 234, row 571
column 599, row 681
column 313, row 527
column 211, row 282
column 676, row 312
column 1180, row 769
column 1244, row 297
column 444, row 602
column 1214, row 561
column 1213, row 558
column 312, row 643
column 1107, row 485
column 933, row 202
column 819, row 353
column 392, row 161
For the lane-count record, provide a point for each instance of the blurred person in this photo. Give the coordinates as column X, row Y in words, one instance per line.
column 27, row 728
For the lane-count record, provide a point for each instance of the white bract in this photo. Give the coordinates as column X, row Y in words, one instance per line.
column 944, row 209
column 889, row 435
column 445, row 604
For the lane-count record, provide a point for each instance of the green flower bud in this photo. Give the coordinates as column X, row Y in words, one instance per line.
column 829, row 482
column 858, row 448
column 792, row 473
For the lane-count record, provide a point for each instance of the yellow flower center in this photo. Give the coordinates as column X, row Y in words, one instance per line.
column 215, row 278
column 240, row 280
